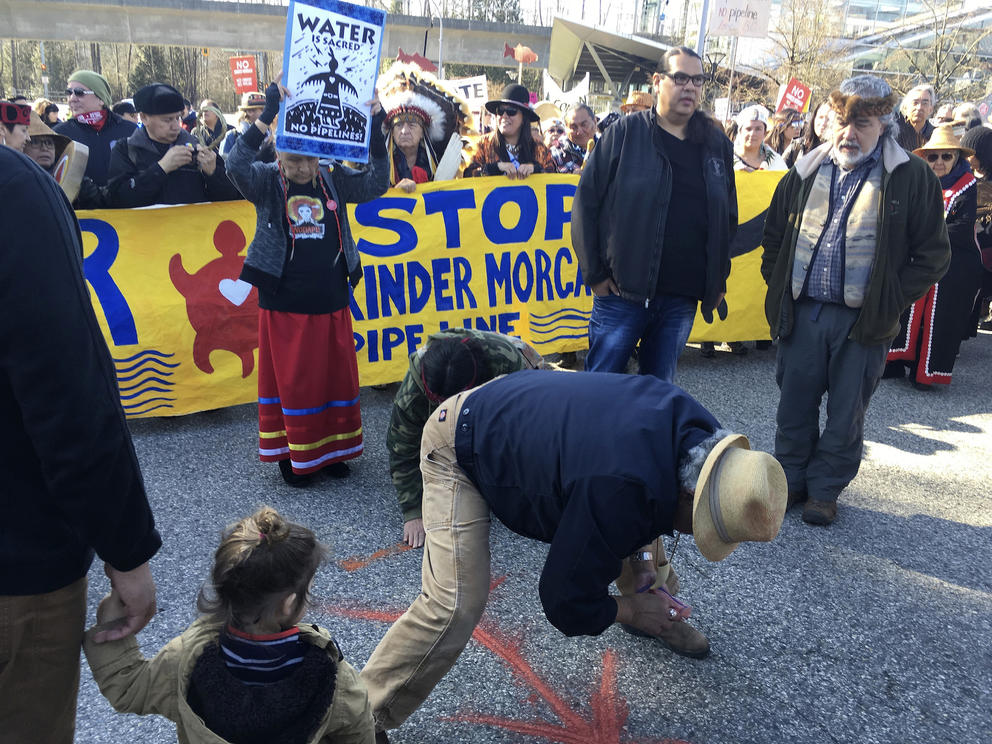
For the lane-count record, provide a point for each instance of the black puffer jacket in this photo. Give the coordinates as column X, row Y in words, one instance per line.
column 99, row 142
column 137, row 180
column 69, row 477
column 621, row 205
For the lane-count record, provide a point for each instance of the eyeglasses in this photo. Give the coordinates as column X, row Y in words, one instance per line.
column 507, row 111
column 78, row 92
column 680, row 79
column 556, row 131
column 933, row 157
column 42, row 143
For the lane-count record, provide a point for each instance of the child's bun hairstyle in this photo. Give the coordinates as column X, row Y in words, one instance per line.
column 260, row 560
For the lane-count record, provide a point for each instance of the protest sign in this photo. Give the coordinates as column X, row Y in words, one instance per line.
column 330, row 64
column 563, row 99
column 794, row 95
column 485, row 253
column 475, row 90
column 747, row 18
column 244, row 74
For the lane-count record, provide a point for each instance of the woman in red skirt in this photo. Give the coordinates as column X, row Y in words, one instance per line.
column 304, row 262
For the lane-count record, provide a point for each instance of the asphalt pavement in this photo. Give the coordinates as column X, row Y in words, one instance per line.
column 874, row 630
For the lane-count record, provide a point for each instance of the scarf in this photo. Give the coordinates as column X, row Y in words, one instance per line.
column 955, row 183
column 95, row 119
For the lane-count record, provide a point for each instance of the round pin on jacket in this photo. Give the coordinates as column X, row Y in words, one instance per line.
column 332, row 205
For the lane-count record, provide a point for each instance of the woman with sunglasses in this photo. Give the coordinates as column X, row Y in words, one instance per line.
column 510, row 149
column 93, row 123
column 934, row 326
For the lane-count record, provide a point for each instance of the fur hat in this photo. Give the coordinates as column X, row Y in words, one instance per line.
column 740, row 496
column 850, row 106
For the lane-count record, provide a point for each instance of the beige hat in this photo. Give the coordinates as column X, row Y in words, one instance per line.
column 943, row 138
column 637, row 98
column 740, row 497
column 252, row 100
column 547, row 110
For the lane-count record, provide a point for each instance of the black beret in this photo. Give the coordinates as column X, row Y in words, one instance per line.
column 979, row 139
column 158, row 98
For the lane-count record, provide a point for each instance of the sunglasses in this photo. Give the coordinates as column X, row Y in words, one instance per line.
column 507, row 111
column 78, row 92
column 933, row 157
column 680, row 78
column 556, row 131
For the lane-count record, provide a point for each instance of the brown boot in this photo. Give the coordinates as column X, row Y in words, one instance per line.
column 680, row 638
column 820, row 513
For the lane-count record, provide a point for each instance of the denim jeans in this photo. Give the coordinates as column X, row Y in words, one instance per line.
column 40, row 639
column 617, row 325
column 425, row 642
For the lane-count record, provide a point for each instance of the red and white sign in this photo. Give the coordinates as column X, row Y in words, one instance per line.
column 244, row 74
column 795, row 96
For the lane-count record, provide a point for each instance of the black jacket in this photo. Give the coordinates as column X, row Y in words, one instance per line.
column 99, row 143
column 588, row 463
column 908, row 138
column 137, row 180
column 621, row 205
column 69, row 477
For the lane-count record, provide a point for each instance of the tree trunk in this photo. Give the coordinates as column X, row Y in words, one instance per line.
column 13, row 67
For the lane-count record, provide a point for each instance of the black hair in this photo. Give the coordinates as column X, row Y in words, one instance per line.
column 526, row 151
column 700, row 124
column 451, row 365
column 123, row 107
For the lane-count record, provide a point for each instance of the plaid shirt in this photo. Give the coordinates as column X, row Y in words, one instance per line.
column 567, row 156
column 825, row 280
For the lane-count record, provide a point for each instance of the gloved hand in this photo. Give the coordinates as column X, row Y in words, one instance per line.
column 271, row 110
column 721, row 310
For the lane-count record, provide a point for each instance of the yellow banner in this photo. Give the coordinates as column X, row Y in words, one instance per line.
column 482, row 253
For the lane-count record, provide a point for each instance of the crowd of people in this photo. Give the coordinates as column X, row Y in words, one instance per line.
column 877, row 253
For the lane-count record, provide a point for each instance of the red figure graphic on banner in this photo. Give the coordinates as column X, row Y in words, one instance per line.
column 222, row 308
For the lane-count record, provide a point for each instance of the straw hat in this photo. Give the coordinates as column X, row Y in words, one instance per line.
column 740, row 497
column 252, row 100
column 38, row 128
column 637, row 98
column 943, row 138
column 547, row 110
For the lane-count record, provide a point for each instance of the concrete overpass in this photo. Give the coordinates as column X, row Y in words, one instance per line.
column 250, row 26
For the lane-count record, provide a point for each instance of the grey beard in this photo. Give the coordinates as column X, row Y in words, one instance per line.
column 848, row 161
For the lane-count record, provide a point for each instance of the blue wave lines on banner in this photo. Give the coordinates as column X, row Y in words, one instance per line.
column 143, row 381
column 561, row 324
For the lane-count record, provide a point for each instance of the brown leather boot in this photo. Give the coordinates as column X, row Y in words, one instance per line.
column 680, row 638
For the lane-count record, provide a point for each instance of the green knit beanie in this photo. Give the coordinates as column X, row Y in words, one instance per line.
column 95, row 82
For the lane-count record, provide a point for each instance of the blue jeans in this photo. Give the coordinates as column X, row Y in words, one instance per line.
column 617, row 325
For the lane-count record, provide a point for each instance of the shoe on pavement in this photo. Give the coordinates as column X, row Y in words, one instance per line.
column 737, row 347
column 820, row 512
column 707, row 349
column 338, row 470
column 681, row 638
column 296, row 480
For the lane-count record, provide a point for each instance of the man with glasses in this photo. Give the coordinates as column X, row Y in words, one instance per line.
column 92, row 122
column 569, row 153
column 854, row 235
column 651, row 224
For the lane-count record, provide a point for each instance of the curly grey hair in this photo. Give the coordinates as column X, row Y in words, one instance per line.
column 692, row 464
column 869, row 86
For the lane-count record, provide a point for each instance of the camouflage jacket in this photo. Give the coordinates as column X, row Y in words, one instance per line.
column 412, row 408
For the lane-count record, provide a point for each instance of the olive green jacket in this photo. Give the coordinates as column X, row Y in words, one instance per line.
column 412, row 408
column 134, row 684
column 913, row 250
